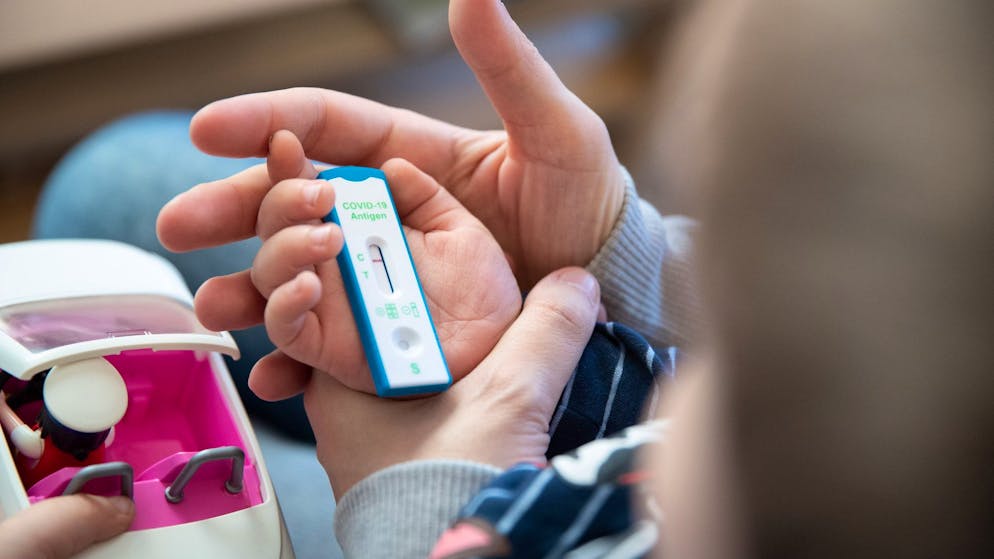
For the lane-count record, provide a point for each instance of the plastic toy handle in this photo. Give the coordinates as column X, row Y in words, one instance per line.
column 25, row 439
column 8, row 417
column 174, row 493
column 28, row 441
column 110, row 469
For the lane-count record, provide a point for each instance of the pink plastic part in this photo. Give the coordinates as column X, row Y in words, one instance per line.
column 462, row 539
column 175, row 409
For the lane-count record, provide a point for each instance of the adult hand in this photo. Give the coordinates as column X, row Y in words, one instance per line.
column 499, row 414
column 552, row 170
column 469, row 287
column 61, row 527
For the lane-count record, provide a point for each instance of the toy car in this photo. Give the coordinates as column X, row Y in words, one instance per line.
column 110, row 385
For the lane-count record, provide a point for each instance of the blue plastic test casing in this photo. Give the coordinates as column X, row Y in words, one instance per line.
column 360, row 311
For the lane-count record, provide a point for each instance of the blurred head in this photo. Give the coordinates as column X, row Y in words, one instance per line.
column 842, row 160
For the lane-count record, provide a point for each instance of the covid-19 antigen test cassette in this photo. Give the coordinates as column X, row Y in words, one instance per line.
column 383, row 288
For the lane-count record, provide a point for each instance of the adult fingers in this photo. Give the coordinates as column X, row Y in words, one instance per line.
column 547, row 339
column 291, row 251
column 214, row 213
column 226, row 210
column 61, row 527
column 277, row 377
column 294, row 202
column 286, row 158
column 229, row 302
column 333, row 127
column 538, row 110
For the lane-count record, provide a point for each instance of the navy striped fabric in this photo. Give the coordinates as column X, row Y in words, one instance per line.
column 617, row 379
column 581, row 504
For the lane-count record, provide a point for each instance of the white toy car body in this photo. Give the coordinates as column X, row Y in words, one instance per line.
column 67, row 301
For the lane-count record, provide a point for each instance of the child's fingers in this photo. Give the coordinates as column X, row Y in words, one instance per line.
column 291, row 251
column 293, row 202
column 290, row 323
column 229, row 302
column 214, row 213
column 421, row 202
column 286, row 158
column 278, row 377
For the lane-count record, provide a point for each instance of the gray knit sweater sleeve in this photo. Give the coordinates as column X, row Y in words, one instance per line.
column 402, row 510
column 646, row 270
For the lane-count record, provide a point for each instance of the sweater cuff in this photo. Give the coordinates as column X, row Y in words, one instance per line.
column 401, row 511
column 628, row 228
column 646, row 272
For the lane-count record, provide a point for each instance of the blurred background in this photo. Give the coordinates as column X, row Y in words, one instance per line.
column 68, row 67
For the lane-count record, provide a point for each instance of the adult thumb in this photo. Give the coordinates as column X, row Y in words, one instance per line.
column 64, row 526
column 528, row 95
column 549, row 336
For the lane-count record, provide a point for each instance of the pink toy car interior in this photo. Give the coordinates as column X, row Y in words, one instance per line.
column 175, row 409
column 78, row 320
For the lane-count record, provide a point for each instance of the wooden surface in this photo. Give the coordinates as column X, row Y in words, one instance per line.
column 39, row 31
column 18, row 194
column 48, row 106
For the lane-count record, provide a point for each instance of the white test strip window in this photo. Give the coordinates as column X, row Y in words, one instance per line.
column 378, row 258
column 384, row 294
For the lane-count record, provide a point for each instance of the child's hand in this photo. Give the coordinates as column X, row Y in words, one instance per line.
column 469, row 286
